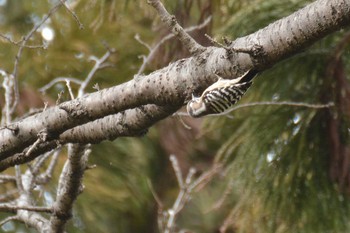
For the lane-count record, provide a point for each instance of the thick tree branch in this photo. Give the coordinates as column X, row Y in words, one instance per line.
column 291, row 34
column 132, row 122
column 174, row 84
column 161, row 87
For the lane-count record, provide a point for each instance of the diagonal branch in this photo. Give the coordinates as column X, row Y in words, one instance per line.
column 191, row 45
column 132, row 122
column 20, row 51
column 155, row 48
column 295, row 32
column 173, row 85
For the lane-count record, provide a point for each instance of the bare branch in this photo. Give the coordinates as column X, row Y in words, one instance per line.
column 166, row 221
column 146, row 60
column 182, row 197
column 59, row 96
column 219, row 203
column 135, row 121
column 267, row 103
column 23, row 43
column 39, row 162
column 177, row 171
column 191, row 45
column 156, row 197
column 216, row 43
column 173, row 85
column 81, row 26
column 11, row 218
column 137, row 37
column 46, row 176
column 70, row 90
column 282, row 103
column 32, row 147
column 206, row 177
column 99, row 64
column 69, row 187
column 32, row 219
column 8, row 85
column 18, row 43
column 14, row 208
column 42, row 137
column 7, row 178
column 57, row 80
column 18, row 175
column 180, row 200
column 182, row 121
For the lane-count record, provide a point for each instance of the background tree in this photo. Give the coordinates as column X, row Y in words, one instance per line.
column 280, row 165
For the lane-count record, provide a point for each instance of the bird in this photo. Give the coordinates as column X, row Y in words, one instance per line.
column 220, row 96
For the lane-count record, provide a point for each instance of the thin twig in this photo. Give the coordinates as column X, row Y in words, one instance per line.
column 59, row 97
column 20, row 50
column 267, row 103
column 137, row 37
column 33, row 146
column 99, row 19
column 18, row 43
column 177, row 170
column 286, row 103
column 7, row 178
column 14, row 208
column 146, row 60
column 156, row 197
column 219, row 203
column 19, row 183
column 39, row 163
column 191, row 45
column 31, row 176
column 99, row 64
column 46, row 176
column 215, row 42
column 162, row 215
column 201, row 181
column 182, row 121
column 182, row 197
column 11, row 218
column 60, row 79
column 227, row 222
column 81, row 26
column 189, row 176
column 8, row 85
column 70, row 89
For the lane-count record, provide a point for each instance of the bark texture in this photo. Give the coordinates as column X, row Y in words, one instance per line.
column 172, row 86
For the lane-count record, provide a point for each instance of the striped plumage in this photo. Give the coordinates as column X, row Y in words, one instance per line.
column 220, row 96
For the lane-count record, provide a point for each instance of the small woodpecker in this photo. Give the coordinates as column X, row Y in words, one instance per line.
column 221, row 95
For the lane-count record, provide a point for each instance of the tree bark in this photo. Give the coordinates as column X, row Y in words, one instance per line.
column 172, row 86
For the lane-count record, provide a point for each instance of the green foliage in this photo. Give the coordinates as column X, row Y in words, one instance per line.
column 117, row 194
column 279, row 156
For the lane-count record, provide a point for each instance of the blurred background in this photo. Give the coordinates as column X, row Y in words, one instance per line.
column 281, row 168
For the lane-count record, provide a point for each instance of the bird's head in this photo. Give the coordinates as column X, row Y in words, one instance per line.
column 196, row 107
